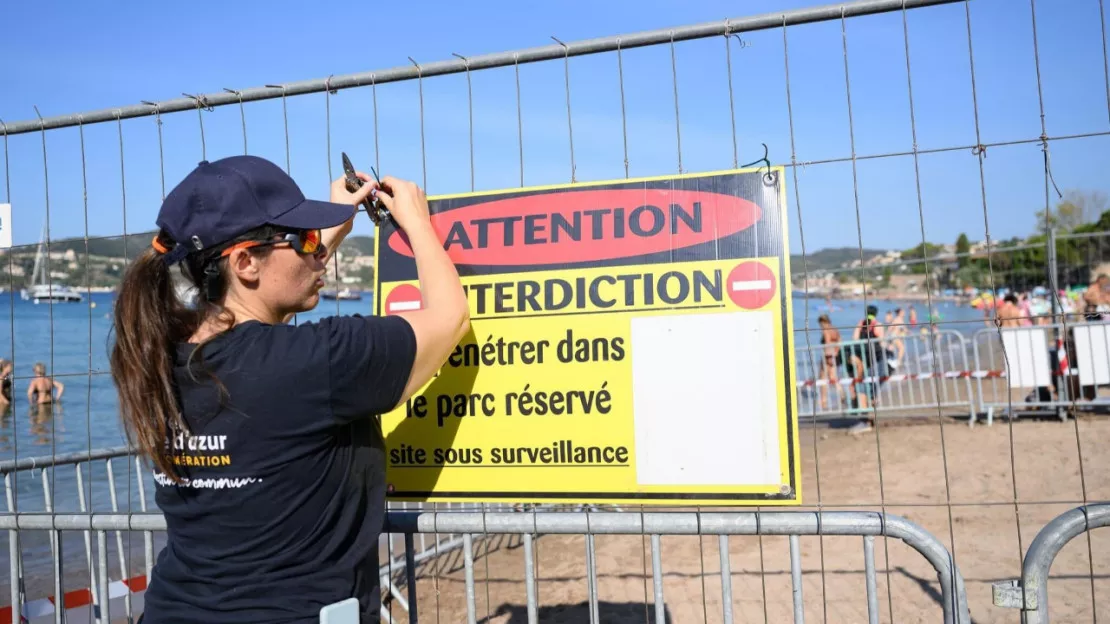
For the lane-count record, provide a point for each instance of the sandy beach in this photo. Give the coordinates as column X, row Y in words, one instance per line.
column 966, row 501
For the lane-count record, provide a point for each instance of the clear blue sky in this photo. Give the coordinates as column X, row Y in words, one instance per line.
column 70, row 57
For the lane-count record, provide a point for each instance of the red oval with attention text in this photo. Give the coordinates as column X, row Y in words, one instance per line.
column 581, row 226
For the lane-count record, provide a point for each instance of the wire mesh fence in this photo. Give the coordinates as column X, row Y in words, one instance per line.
column 900, row 124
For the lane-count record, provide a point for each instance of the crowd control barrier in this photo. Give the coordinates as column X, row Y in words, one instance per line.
column 866, row 525
column 1043, row 369
column 906, row 375
column 1030, row 593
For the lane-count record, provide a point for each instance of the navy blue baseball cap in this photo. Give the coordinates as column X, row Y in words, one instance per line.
column 219, row 201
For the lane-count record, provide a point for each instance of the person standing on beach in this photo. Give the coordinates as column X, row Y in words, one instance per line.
column 832, row 359
column 41, row 389
column 1026, row 307
column 897, row 329
column 871, row 355
column 1095, row 297
column 1009, row 314
column 268, row 455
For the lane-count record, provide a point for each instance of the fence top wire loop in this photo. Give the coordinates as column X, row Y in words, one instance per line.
column 201, row 101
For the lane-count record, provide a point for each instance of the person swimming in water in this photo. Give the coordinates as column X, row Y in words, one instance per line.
column 41, row 388
column 5, row 383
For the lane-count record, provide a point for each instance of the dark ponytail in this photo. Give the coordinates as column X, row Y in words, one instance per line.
column 150, row 319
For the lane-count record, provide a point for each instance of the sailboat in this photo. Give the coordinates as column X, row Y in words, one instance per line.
column 41, row 289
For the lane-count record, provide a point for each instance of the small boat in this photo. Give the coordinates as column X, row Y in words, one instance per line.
column 343, row 295
column 52, row 292
column 40, row 289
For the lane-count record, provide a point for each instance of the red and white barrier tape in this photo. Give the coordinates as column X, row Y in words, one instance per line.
column 983, row 374
column 75, row 599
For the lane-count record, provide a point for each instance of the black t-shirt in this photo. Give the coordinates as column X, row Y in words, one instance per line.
column 285, row 497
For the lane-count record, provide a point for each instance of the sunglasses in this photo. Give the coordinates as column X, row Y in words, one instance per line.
column 307, row 242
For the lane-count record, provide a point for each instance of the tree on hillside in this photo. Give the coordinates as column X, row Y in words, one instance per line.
column 1076, row 209
column 963, row 247
column 1102, row 225
column 914, row 256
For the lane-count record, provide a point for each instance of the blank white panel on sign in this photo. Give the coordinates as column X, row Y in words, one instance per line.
column 1092, row 354
column 704, row 399
column 1026, row 357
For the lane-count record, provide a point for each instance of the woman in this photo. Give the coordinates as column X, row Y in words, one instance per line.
column 41, row 389
column 6, row 369
column 268, row 459
column 833, row 358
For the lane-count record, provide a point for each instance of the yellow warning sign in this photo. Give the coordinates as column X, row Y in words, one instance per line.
column 630, row 342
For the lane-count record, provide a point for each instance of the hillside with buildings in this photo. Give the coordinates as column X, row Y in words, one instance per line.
column 98, row 263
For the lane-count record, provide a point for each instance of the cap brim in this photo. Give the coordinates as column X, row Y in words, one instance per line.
column 311, row 214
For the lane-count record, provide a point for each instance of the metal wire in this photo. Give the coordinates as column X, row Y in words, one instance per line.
column 327, row 133
column 805, row 266
column 88, row 284
column 1055, row 293
column 50, row 288
column 701, row 558
column 928, row 293
column 624, row 129
column 870, row 339
column 957, row 148
column 1105, row 63
column 470, row 117
column 644, row 558
column 519, row 119
column 485, row 557
column 285, row 121
column 677, row 121
column 242, row 116
column 374, row 94
column 161, row 157
column 570, row 124
column 980, row 155
column 125, row 560
column 731, row 105
column 48, row 489
column 14, row 543
column 762, row 570
column 200, row 120
column 423, row 153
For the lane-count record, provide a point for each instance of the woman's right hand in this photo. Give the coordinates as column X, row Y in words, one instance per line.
column 405, row 201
